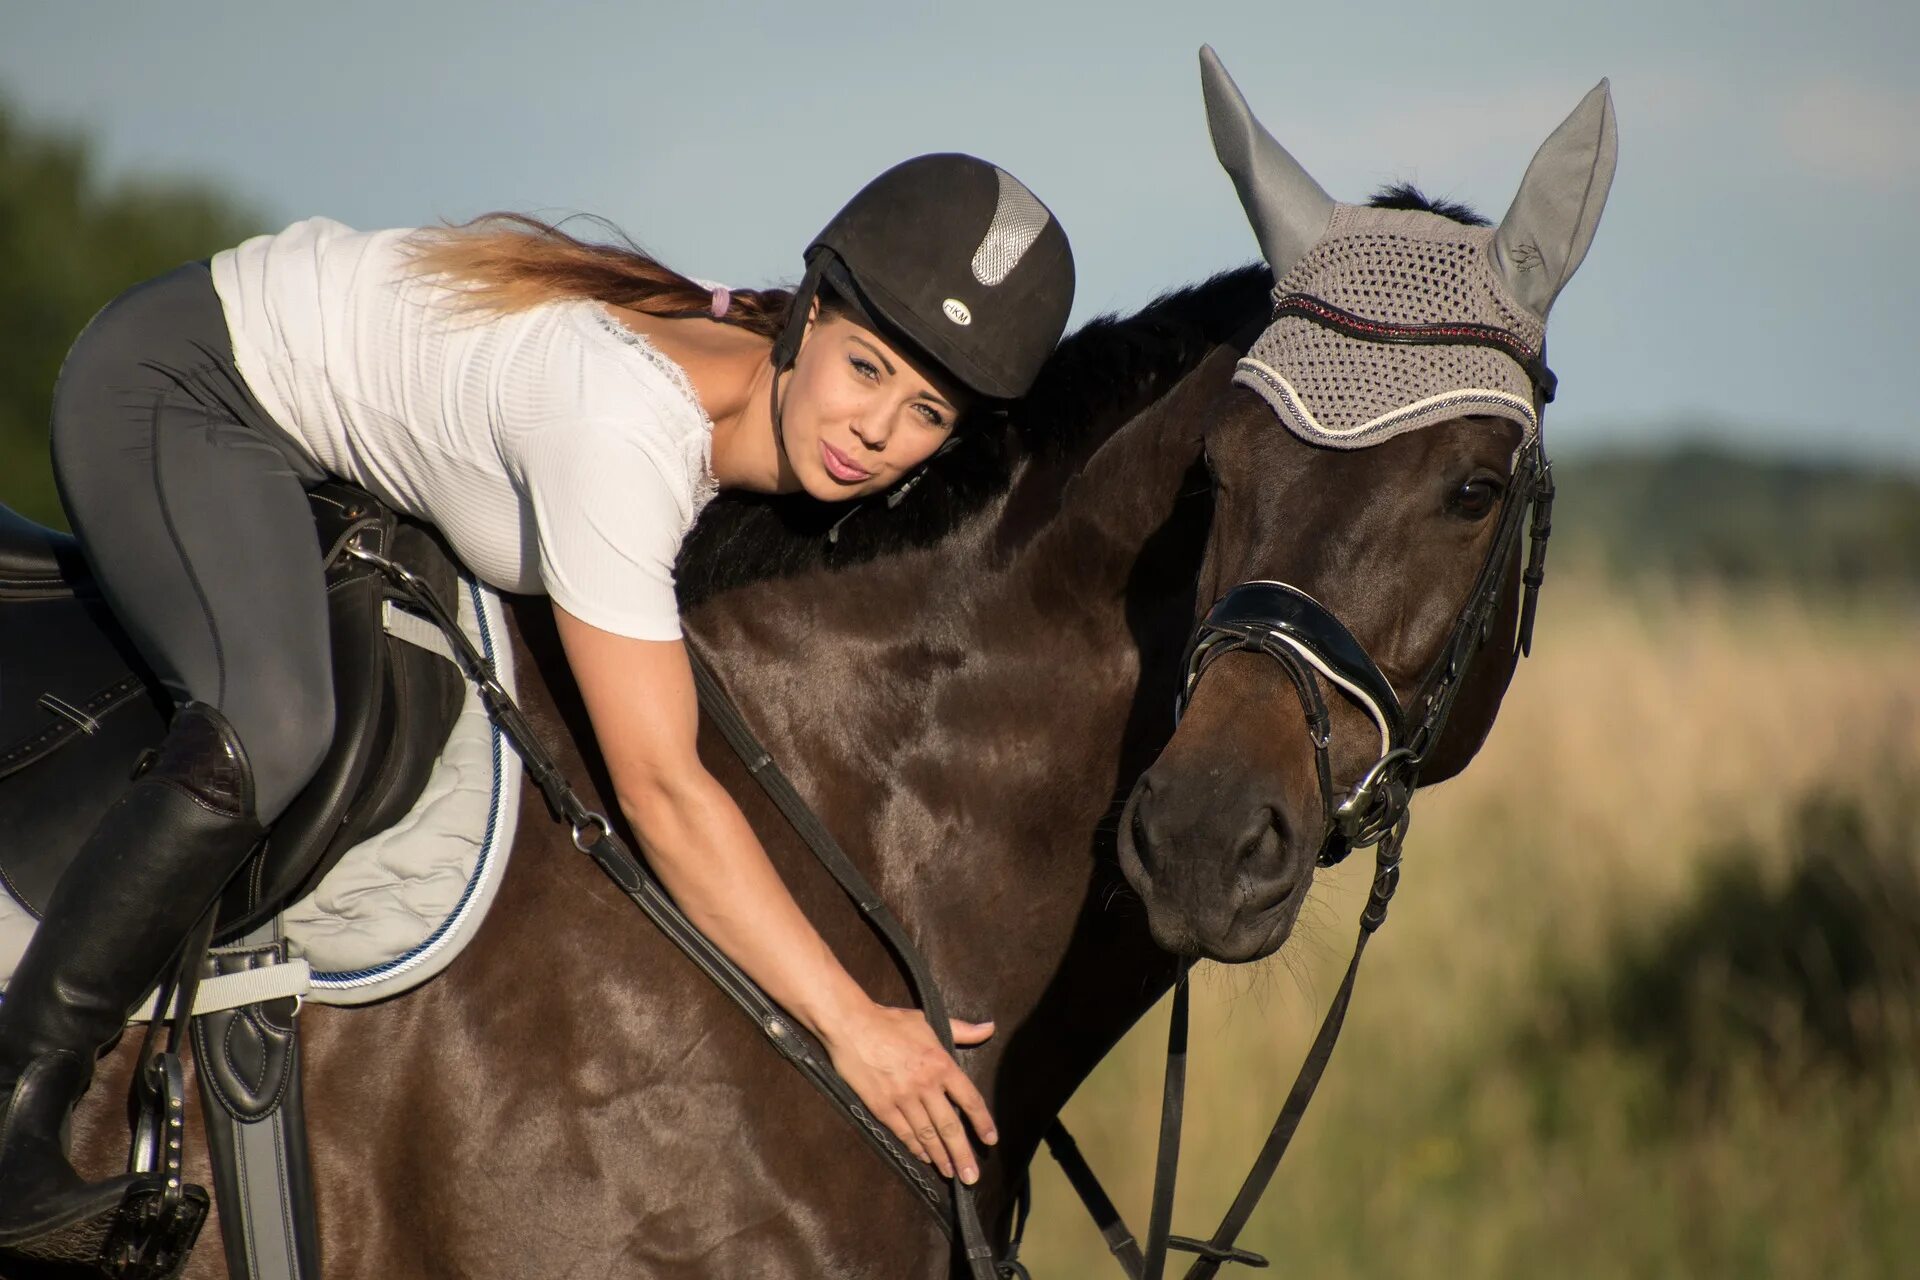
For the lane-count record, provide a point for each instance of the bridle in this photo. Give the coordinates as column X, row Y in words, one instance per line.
column 1312, row 645
column 1305, row 637
column 1268, row 617
column 1314, row 648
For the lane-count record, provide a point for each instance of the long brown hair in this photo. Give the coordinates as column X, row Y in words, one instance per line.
column 508, row 262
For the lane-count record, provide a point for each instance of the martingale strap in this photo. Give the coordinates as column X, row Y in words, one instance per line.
column 767, row 772
column 594, row 836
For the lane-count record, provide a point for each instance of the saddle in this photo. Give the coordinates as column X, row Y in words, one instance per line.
column 79, row 709
column 79, row 713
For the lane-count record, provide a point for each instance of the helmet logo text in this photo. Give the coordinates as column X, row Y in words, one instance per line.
column 956, row 311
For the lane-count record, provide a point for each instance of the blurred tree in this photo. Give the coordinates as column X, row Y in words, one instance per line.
column 1699, row 511
column 1784, row 964
column 69, row 242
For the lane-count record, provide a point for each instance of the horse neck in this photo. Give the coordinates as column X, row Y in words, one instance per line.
column 1011, row 682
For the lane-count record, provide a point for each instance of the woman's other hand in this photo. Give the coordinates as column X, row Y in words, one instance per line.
column 892, row 1059
column 646, row 717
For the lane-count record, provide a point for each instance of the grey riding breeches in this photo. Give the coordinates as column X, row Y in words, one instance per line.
column 190, row 504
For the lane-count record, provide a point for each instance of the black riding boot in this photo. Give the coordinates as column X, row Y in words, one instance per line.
column 144, row 878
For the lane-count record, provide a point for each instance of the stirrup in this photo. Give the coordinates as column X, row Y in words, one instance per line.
column 147, row 1236
column 150, row 1232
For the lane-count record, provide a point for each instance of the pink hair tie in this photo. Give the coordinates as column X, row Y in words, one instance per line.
column 722, row 299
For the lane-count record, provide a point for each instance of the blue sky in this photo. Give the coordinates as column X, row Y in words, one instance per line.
column 1747, row 277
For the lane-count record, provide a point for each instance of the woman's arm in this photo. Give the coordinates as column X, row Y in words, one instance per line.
column 640, row 697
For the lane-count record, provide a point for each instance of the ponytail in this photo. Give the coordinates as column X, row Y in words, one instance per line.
column 506, row 262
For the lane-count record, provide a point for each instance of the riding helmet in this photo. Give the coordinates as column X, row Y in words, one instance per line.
column 956, row 259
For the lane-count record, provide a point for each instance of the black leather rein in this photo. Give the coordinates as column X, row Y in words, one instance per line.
column 594, row 836
column 1272, row 618
column 1311, row 645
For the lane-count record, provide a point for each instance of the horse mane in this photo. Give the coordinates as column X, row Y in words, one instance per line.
column 1404, row 195
column 1098, row 379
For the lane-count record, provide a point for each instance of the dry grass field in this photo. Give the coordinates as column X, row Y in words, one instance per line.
column 1646, row 1002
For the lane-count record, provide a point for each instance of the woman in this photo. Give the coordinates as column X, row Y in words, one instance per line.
column 561, row 411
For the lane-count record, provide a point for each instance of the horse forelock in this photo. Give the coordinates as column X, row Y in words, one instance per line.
column 1404, row 195
column 1100, row 377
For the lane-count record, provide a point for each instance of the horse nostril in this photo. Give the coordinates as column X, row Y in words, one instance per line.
column 1266, row 845
column 1265, row 842
column 1260, row 844
column 1139, row 824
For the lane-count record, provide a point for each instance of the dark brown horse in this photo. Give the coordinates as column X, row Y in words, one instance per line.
column 972, row 692
column 572, row 1098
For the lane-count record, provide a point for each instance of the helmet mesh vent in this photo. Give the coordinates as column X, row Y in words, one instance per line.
column 1018, row 220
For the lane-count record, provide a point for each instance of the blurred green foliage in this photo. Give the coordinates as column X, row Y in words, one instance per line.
column 1706, row 512
column 69, row 242
column 1801, row 959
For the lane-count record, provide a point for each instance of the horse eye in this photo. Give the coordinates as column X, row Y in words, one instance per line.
column 1475, row 499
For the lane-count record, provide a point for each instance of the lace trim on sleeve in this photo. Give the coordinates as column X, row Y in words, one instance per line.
column 705, row 486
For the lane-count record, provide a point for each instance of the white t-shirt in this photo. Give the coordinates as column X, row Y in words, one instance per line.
column 556, row 449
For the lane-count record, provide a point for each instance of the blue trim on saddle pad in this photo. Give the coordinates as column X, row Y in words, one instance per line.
column 325, row 982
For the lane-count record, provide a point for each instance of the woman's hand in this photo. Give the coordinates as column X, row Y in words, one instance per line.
column 640, row 696
column 892, row 1059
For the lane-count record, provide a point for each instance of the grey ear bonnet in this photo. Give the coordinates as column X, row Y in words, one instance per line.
column 1388, row 320
column 1394, row 267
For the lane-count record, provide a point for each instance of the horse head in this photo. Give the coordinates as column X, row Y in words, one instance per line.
column 1404, row 362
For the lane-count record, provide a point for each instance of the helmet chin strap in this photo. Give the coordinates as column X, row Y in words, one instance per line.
column 773, row 410
column 918, row 473
column 897, row 493
column 786, row 347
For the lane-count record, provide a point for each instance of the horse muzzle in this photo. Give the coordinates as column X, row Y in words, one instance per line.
column 1221, row 867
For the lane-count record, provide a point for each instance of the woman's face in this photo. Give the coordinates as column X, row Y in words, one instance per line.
column 855, row 415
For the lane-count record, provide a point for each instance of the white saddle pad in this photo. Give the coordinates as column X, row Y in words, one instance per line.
column 397, row 908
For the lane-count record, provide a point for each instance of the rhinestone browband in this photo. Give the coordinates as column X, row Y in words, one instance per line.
column 1307, row 307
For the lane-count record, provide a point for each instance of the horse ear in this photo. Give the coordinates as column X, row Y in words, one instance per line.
column 1546, row 233
column 1288, row 209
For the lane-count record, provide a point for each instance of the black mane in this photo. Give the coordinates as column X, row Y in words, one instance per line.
column 1404, row 195
column 1100, row 377
column 1102, row 374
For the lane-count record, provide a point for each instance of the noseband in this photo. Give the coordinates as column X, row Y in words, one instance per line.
column 1312, row 645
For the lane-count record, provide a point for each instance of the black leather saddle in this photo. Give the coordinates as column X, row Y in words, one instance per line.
column 78, row 708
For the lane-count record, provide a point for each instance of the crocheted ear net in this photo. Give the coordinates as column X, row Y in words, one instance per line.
column 1396, row 266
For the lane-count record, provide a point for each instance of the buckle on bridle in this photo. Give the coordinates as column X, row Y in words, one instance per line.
column 1212, row 1252
column 1375, row 803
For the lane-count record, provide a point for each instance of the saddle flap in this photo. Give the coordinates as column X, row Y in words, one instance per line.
column 394, row 707
column 424, row 692
column 78, row 708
